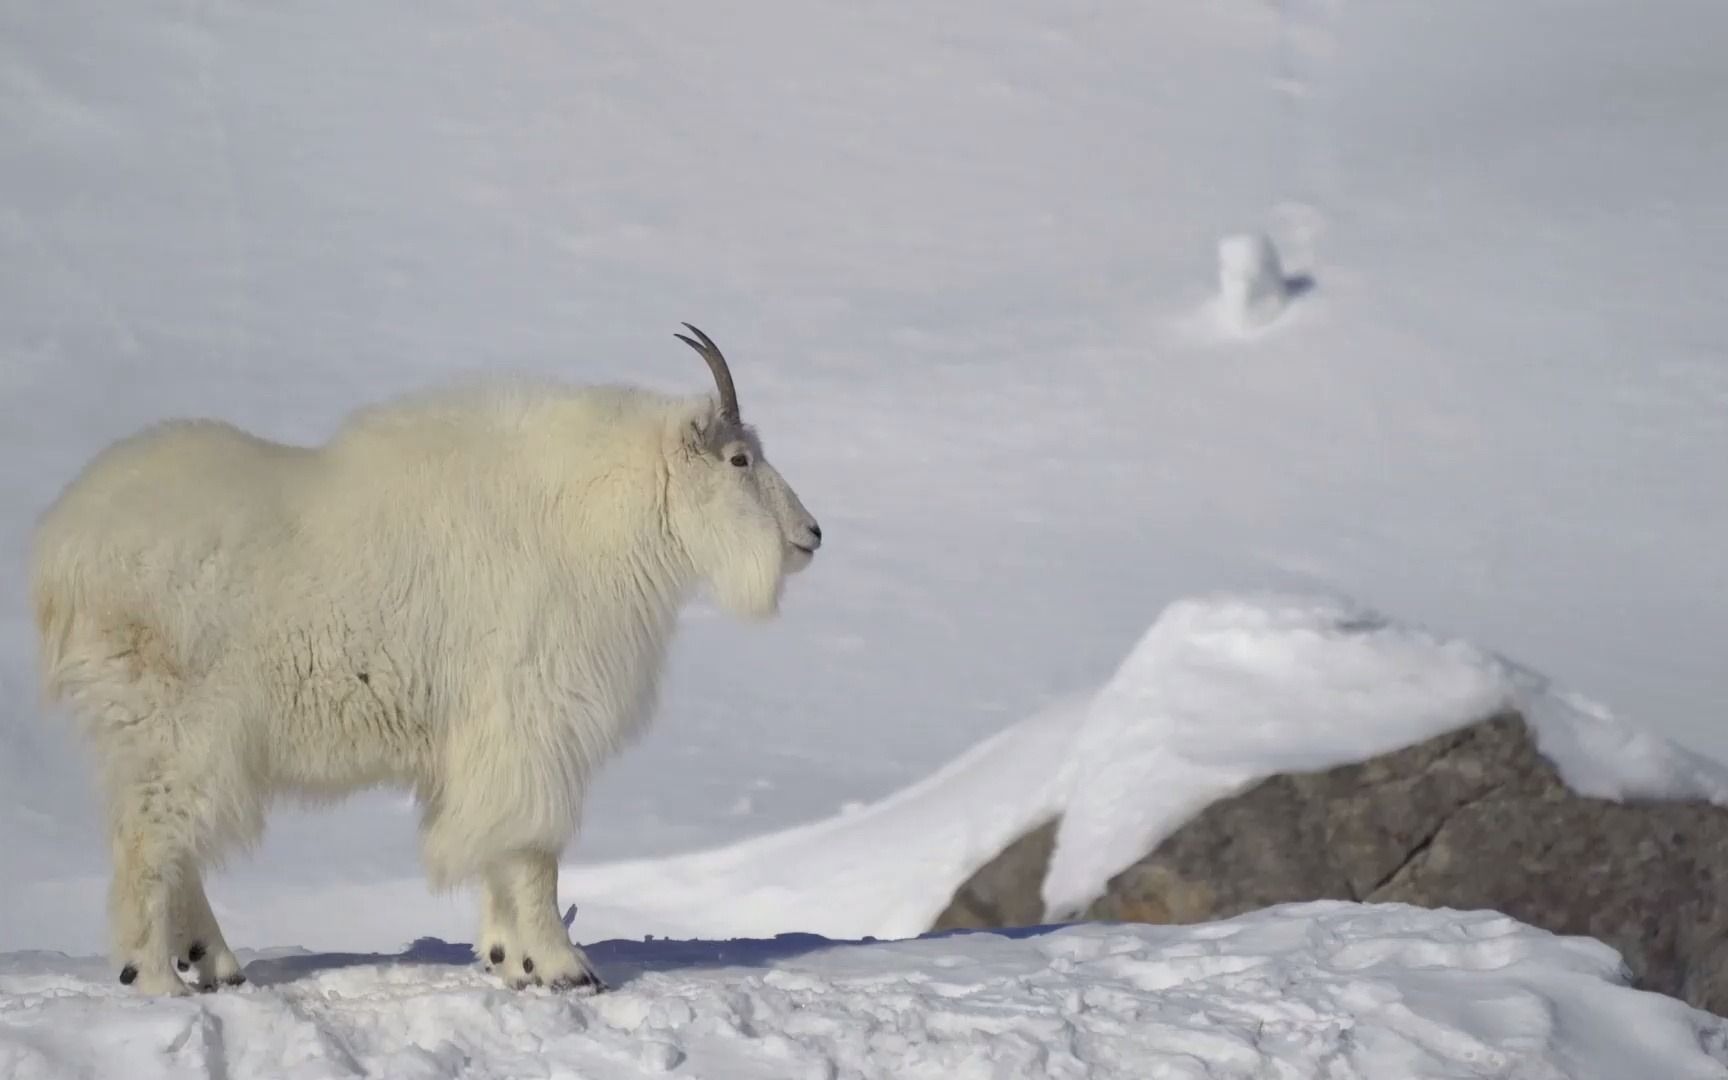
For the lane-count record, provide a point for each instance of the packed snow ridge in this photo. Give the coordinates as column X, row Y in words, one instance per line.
column 1320, row 990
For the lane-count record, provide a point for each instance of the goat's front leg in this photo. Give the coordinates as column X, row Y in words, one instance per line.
column 497, row 939
column 521, row 936
column 198, row 939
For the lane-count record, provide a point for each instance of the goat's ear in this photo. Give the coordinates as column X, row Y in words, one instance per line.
column 698, row 433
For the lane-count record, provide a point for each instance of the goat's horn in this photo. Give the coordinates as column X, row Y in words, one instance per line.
column 717, row 364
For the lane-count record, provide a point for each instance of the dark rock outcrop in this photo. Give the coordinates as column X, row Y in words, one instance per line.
column 1476, row 818
column 1006, row 890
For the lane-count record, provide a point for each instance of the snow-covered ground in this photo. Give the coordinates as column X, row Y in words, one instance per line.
column 1328, row 990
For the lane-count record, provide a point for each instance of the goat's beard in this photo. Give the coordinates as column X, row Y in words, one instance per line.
column 749, row 583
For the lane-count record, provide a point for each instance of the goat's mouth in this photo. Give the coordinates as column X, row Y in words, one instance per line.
column 809, row 552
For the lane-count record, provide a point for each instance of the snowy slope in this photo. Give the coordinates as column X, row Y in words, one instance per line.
column 961, row 255
column 1323, row 990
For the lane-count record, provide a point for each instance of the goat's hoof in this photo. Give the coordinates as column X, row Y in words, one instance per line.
column 586, row 983
column 194, row 955
column 154, row 983
column 525, row 983
column 235, row 979
column 207, row 987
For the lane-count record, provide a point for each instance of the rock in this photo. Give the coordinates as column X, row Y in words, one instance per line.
column 1476, row 818
column 1334, row 835
column 1647, row 878
column 1007, row 890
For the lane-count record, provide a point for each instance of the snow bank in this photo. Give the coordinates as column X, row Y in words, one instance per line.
column 1325, row 989
column 1219, row 693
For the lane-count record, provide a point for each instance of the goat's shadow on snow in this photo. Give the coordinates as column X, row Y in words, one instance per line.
column 620, row 962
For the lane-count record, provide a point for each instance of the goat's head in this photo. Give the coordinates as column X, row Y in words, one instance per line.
column 742, row 524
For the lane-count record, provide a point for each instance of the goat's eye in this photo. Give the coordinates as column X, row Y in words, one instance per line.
column 740, row 460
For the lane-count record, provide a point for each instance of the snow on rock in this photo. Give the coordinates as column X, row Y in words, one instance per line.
column 1225, row 691
column 1329, row 989
column 1220, row 692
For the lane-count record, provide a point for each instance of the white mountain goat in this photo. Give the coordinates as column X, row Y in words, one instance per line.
column 468, row 595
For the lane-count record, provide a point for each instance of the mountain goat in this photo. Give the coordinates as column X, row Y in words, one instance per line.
column 468, row 594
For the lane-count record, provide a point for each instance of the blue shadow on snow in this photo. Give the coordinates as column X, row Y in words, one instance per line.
column 619, row 961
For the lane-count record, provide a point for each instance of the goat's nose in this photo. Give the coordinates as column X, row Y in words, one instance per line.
column 816, row 534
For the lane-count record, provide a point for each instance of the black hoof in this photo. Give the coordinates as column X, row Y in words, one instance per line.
column 523, row 984
column 528, row 966
column 196, row 952
column 206, row 988
column 183, row 966
column 496, row 955
column 585, row 983
column 235, row 979
column 128, row 975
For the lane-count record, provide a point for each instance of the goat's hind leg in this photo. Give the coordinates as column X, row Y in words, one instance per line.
column 198, row 941
column 147, row 831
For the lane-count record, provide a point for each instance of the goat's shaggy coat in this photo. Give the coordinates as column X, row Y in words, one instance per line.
column 467, row 595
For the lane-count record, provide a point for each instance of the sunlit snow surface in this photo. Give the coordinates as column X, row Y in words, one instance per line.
column 1324, row 990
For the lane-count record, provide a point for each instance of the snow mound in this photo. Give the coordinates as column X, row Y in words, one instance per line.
column 1225, row 691
column 1325, row 989
column 1252, row 288
column 1219, row 693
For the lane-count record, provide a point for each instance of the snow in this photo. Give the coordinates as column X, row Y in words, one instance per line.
column 964, row 260
column 1224, row 691
column 956, row 256
column 1220, row 692
column 1252, row 288
column 1320, row 990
